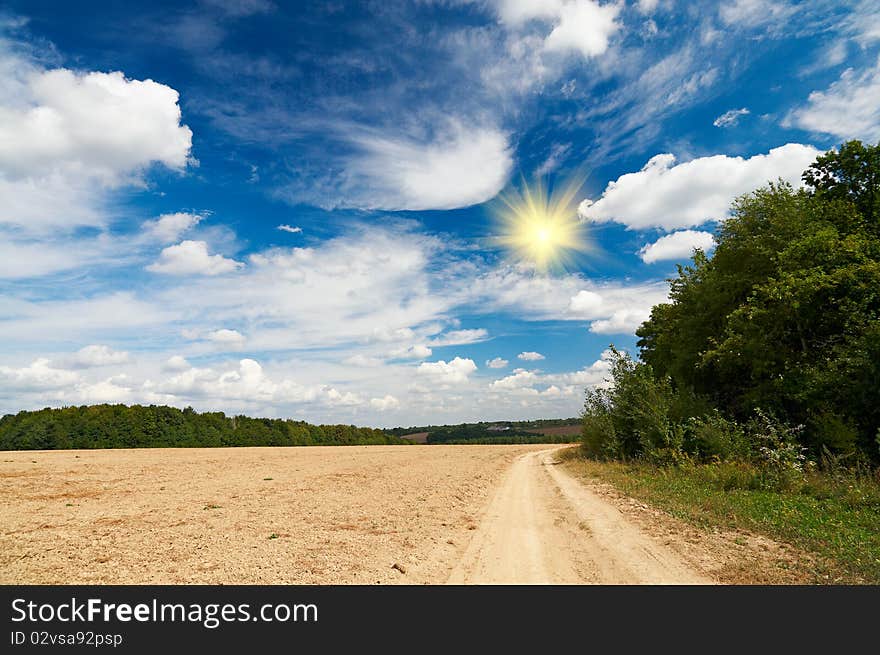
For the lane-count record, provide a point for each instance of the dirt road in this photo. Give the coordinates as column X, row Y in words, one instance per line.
column 344, row 515
column 544, row 527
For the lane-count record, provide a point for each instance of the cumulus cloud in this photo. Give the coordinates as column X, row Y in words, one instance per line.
column 98, row 355
column 523, row 382
column 39, row 375
column 497, row 363
column 848, row 109
column 289, row 228
column 226, row 337
column 530, row 356
column 669, row 195
column 616, row 311
column 111, row 390
column 519, row 378
column 249, row 383
column 730, row 117
column 67, row 138
column 678, row 245
column 168, row 228
column 582, row 26
column 385, row 403
column 176, row 363
column 455, row 371
column 461, row 166
column 192, row 258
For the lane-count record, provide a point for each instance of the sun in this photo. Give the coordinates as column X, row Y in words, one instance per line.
column 541, row 228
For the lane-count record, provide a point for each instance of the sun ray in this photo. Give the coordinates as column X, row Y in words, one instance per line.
column 539, row 227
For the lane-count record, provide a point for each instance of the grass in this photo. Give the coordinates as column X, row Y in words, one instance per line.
column 836, row 517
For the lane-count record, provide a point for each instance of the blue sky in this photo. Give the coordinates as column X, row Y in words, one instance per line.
column 150, row 154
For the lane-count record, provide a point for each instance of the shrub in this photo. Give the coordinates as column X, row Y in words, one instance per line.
column 713, row 437
column 778, row 452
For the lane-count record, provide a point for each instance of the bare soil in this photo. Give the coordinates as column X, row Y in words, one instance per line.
column 340, row 515
column 243, row 515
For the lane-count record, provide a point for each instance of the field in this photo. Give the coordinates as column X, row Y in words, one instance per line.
column 358, row 514
column 573, row 431
column 242, row 515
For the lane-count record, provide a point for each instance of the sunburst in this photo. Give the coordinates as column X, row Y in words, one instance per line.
column 541, row 228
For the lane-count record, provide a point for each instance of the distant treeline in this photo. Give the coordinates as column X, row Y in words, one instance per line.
column 158, row 426
column 516, row 432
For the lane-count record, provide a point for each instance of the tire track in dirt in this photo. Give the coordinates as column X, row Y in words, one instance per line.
column 544, row 527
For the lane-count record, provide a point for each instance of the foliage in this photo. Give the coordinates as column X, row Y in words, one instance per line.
column 137, row 426
column 785, row 315
column 514, row 432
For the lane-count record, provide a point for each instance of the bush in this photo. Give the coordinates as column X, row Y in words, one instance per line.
column 713, row 437
column 777, row 450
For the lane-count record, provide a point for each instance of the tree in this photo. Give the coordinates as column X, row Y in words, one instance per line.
column 785, row 316
column 851, row 173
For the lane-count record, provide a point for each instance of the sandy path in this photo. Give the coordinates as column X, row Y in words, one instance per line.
column 544, row 527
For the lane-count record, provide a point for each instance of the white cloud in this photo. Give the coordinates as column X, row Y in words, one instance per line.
column 67, row 138
column 110, row 390
column 226, row 337
column 668, row 195
column 678, row 245
column 460, row 337
column 848, row 109
column 557, row 156
column 459, row 167
column 752, row 13
column 98, row 355
column 248, row 383
column 584, row 26
column 497, row 363
column 530, row 356
column 192, row 258
column 647, row 6
column 455, row 371
column 622, row 321
column 81, row 319
column 516, row 12
column 519, row 378
column 176, row 363
column 730, row 118
column 616, row 310
column 168, row 228
column 417, row 351
column 363, row 361
column 39, row 375
column 32, row 258
column 384, row 404
column 288, row 228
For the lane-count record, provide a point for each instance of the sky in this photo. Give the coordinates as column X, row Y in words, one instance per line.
column 294, row 209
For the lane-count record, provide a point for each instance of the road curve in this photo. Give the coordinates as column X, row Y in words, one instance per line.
column 544, row 527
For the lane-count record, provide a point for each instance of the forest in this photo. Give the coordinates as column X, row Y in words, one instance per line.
column 768, row 350
column 158, row 426
column 484, row 432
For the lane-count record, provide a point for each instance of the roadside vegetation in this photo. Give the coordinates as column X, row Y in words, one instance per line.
column 755, row 401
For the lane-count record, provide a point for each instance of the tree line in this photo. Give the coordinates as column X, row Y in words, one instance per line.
column 770, row 348
column 159, row 426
